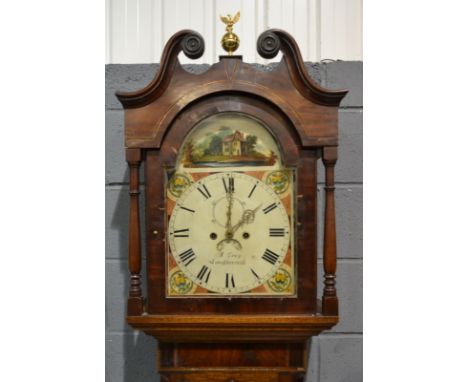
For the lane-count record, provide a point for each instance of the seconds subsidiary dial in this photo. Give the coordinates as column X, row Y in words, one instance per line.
column 229, row 232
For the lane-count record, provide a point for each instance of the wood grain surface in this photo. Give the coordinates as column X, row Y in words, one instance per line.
column 232, row 339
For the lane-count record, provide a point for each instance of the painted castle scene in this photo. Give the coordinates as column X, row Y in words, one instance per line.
column 229, row 139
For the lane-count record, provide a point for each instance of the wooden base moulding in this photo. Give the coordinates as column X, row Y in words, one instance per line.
column 231, row 348
column 232, row 328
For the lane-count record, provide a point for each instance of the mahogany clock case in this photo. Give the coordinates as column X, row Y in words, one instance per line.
column 303, row 119
column 300, row 115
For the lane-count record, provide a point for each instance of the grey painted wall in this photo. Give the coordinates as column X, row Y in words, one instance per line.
column 336, row 355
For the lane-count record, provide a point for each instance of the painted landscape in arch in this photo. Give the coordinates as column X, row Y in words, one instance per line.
column 229, row 141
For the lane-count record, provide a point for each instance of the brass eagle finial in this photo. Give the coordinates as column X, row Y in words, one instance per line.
column 230, row 41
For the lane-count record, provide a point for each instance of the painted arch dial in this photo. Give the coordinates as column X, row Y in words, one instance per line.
column 229, row 232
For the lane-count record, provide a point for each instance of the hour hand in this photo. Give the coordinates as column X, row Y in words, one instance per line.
column 248, row 217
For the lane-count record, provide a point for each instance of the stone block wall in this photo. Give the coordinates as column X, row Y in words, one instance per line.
column 336, row 356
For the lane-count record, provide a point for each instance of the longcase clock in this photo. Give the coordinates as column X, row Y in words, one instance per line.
column 230, row 161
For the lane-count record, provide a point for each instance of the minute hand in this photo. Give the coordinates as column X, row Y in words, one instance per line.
column 229, row 214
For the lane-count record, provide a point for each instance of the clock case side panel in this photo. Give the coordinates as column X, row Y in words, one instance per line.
column 304, row 160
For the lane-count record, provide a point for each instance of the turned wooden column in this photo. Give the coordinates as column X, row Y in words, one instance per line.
column 135, row 296
column 329, row 299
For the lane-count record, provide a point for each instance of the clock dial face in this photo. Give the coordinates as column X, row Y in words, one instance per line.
column 229, row 233
column 230, row 211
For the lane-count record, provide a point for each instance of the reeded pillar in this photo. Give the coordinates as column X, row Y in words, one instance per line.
column 329, row 298
column 135, row 304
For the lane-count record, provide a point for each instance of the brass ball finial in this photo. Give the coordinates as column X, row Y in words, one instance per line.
column 230, row 41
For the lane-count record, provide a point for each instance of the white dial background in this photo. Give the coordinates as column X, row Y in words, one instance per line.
column 197, row 233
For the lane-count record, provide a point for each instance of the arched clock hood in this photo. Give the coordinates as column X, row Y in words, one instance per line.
column 311, row 109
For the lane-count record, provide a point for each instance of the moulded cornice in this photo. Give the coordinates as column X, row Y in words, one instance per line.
column 272, row 41
column 269, row 44
column 188, row 41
